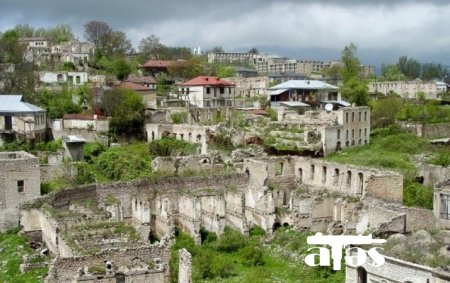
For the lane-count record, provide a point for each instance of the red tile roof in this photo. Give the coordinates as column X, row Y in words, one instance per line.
column 207, row 80
column 133, row 86
column 157, row 64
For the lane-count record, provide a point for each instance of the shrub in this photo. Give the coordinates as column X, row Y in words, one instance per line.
column 231, row 240
column 206, row 236
column 257, row 231
column 91, row 150
column 170, row 146
column 125, row 163
column 179, row 118
column 415, row 194
column 252, row 256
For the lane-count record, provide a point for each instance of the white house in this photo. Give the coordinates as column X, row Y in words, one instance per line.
column 208, row 91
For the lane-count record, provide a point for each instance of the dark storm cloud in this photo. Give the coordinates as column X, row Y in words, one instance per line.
column 411, row 27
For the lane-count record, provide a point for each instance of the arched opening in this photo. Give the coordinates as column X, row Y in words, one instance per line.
column 362, row 275
column 336, row 176
column 359, row 142
column 338, row 146
column 349, row 178
column 276, row 225
column 300, row 175
column 324, row 174
column 190, row 137
column 353, row 142
column 247, row 172
column 120, row 278
column 312, row 172
column 286, row 225
column 165, row 134
column 199, row 138
column 347, row 144
column 153, row 135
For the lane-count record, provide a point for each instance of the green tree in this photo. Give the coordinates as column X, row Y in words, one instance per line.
column 410, row 67
column 97, row 32
column 391, row 73
column 150, row 47
column 16, row 73
column 126, row 109
column 253, row 51
column 217, row 49
column 353, row 87
column 226, row 72
column 122, row 68
column 57, row 103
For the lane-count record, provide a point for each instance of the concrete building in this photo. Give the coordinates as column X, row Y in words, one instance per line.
column 20, row 120
column 231, row 57
column 76, row 52
column 38, row 48
column 441, row 204
column 73, row 147
column 19, row 183
column 250, row 87
column 72, row 78
column 393, row 271
column 208, row 91
column 409, row 89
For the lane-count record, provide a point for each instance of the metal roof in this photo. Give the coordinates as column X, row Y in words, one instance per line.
column 294, row 104
column 278, row 91
column 14, row 103
column 304, row 84
column 340, row 102
column 73, row 139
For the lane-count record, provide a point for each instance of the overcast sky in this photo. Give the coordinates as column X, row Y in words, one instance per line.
column 315, row 29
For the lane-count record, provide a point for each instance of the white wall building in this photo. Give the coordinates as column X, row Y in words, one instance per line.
column 208, row 91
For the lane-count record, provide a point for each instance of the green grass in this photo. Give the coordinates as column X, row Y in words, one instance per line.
column 12, row 248
column 392, row 149
column 248, row 260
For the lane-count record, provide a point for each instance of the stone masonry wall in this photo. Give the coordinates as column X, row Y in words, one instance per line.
column 184, row 266
column 19, row 183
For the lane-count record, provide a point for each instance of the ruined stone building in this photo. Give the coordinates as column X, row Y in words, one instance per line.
column 83, row 227
column 19, row 182
column 336, row 130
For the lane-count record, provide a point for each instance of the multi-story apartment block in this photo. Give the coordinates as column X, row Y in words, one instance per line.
column 234, row 57
column 409, row 89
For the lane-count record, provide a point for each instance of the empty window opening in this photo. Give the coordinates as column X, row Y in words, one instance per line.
column 324, row 174
column 312, row 172
column 445, row 207
column 336, row 177
column 349, row 178
column 20, row 186
column 279, row 169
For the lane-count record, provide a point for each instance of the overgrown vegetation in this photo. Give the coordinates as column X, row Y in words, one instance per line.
column 428, row 112
column 236, row 258
column 394, row 149
column 170, row 146
column 12, row 248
